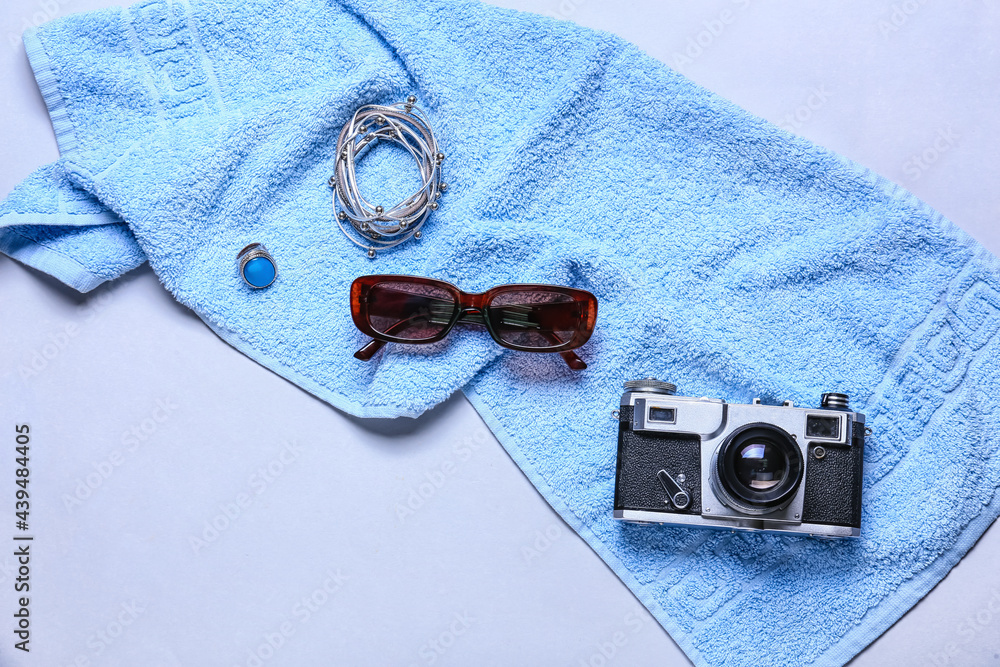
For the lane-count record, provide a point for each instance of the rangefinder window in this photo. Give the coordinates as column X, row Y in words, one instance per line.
column 662, row 415
column 822, row 427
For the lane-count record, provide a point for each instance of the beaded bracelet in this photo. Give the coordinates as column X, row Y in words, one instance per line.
column 373, row 226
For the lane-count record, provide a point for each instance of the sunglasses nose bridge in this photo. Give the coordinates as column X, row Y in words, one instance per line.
column 473, row 308
column 473, row 302
column 472, row 315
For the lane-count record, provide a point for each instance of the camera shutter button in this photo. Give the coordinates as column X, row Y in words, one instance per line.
column 834, row 401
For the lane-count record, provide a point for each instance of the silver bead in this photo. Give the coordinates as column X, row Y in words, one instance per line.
column 363, row 129
column 440, row 157
column 412, row 99
column 365, row 226
column 379, row 210
column 371, row 253
column 443, row 187
column 403, row 224
column 342, row 215
column 332, row 181
column 379, row 120
column 433, row 206
column 437, row 195
column 417, row 234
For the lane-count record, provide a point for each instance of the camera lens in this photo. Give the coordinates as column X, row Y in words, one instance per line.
column 759, row 467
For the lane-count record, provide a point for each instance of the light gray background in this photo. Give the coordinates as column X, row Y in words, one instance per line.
column 483, row 572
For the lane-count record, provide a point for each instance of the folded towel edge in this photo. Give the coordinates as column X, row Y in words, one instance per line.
column 62, row 219
column 48, row 85
column 338, row 401
column 677, row 634
column 58, row 265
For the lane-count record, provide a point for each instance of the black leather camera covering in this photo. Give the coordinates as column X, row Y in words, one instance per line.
column 833, row 483
column 642, row 455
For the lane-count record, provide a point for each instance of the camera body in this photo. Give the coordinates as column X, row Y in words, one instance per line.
column 704, row 462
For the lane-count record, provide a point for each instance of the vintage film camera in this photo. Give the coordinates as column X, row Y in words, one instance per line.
column 704, row 462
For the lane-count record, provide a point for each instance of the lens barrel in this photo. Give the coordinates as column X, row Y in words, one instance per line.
column 757, row 469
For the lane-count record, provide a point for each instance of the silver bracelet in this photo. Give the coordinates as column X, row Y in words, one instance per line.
column 372, row 226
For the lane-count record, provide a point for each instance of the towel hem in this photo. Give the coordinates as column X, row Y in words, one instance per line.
column 59, row 219
column 338, row 401
column 877, row 620
column 48, row 85
column 677, row 634
column 884, row 616
column 59, row 266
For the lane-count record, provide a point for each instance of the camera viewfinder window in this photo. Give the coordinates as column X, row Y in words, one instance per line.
column 661, row 414
column 822, row 427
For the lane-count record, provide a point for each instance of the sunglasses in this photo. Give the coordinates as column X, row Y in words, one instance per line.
column 530, row 318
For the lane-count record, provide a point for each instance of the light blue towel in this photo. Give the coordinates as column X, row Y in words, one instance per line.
column 49, row 223
column 728, row 257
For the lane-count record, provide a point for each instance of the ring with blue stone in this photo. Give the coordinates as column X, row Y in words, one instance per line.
column 257, row 266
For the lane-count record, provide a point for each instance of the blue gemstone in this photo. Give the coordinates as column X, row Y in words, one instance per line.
column 259, row 272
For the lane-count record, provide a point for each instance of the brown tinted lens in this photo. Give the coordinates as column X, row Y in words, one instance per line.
column 410, row 310
column 535, row 318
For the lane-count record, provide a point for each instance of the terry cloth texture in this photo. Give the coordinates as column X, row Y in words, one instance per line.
column 49, row 223
column 728, row 257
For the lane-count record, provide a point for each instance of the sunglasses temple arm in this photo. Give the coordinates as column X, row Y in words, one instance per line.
column 569, row 356
column 573, row 361
column 374, row 345
column 369, row 350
